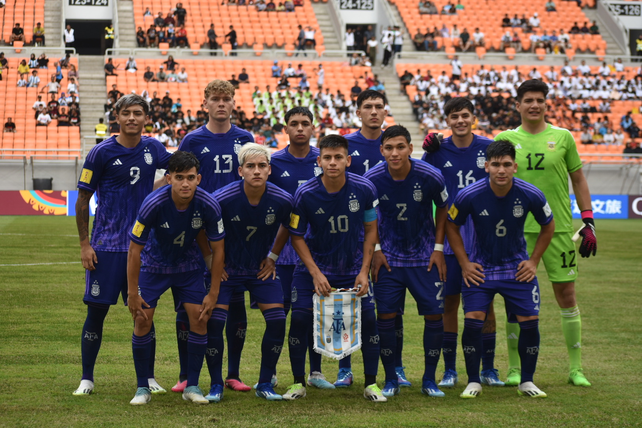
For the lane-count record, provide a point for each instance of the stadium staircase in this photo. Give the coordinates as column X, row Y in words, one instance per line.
column 612, row 48
column 126, row 30
column 331, row 41
column 53, row 16
column 93, row 90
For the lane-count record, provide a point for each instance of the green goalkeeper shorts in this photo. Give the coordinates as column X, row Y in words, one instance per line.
column 560, row 258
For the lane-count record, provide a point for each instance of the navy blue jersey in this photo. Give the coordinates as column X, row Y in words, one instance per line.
column 288, row 173
column 333, row 222
column 121, row 178
column 365, row 153
column 250, row 230
column 217, row 153
column 460, row 168
column 499, row 224
column 169, row 235
column 406, row 225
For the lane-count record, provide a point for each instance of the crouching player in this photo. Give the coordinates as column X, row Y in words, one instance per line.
column 499, row 260
column 163, row 254
column 330, row 212
column 410, row 255
column 255, row 212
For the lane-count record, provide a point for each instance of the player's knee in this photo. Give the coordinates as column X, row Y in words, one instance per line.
column 477, row 315
column 451, row 304
column 387, row 316
column 490, row 315
column 142, row 326
column 435, row 317
column 565, row 294
column 529, row 318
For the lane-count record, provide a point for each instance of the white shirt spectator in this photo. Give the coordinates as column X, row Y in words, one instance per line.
column 534, row 21
column 604, row 70
column 619, row 66
column 182, row 76
column 72, row 87
column 478, row 36
column 44, row 118
column 456, row 67
column 289, row 72
column 350, row 39
column 69, row 36
column 551, row 75
column 398, row 37
column 22, row 83
column 534, row 74
column 34, row 81
column 584, row 69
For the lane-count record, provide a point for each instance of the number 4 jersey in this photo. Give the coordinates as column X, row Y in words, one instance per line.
column 499, row 224
column 545, row 160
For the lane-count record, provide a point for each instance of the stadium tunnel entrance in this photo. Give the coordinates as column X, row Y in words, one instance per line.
column 89, row 36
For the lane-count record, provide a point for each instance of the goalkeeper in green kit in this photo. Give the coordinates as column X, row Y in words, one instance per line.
column 546, row 156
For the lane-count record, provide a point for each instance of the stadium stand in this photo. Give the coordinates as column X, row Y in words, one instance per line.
column 24, row 12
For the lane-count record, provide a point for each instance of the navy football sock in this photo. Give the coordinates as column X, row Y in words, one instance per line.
column 196, row 347
column 142, row 349
column 346, row 362
column 235, row 330
column 399, row 337
column 152, row 356
column 215, row 345
column 528, row 347
column 433, row 341
column 388, row 342
column 272, row 342
column 300, row 323
column 488, row 349
column 450, row 351
column 182, row 333
column 370, row 344
column 314, row 357
column 471, row 342
column 92, row 335
column 286, row 307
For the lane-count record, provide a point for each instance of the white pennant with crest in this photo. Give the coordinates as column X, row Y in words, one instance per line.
column 337, row 324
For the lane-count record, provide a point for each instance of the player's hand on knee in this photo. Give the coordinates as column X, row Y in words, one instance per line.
column 136, row 304
column 88, row 257
column 321, row 285
column 473, row 273
column 588, row 246
column 437, row 259
column 208, row 305
column 378, row 260
column 267, row 269
column 432, row 142
column 362, row 284
column 526, row 271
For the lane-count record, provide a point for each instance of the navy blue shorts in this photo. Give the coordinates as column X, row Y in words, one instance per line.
column 109, row 279
column 268, row 291
column 425, row 287
column 454, row 279
column 187, row 287
column 522, row 298
column 303, row 289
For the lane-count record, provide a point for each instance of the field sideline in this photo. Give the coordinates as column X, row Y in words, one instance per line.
column 41, row 316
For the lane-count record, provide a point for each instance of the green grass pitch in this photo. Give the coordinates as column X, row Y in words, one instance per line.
column 41, row 316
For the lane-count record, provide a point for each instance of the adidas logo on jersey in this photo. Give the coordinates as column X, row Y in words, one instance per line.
column 117, row 162
column 384, row 198
column 285, row 174
column 484, row 213
column 518, row 146
column 165, row 225
column 355, row 153
column 236, row 218
column 447, row 164
column 320, row 211
column 205, row 150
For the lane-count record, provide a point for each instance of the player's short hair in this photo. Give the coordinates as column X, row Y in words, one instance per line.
column 250, row 150
column 533, row 85
column 298, row 110
column 333, row 141
column 219, row 86
column 499, row 149
column 182, row 161
column 457, row 104
column 369, row 93
column 395, row 131
column 131, row 100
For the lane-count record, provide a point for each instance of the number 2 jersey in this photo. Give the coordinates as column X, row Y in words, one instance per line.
column 406, row 225
column 460, row 167
column 121, row 178
column 332, row 223
column 499, row 224
column 545, row 160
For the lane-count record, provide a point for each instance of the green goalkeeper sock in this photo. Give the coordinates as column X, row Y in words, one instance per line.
column 572, row 329
column 512, row 339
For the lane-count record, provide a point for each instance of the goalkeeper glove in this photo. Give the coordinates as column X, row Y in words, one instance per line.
column 589, row 240
column 432, row 142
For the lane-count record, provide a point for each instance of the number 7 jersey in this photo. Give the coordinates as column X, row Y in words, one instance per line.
column 545, row 160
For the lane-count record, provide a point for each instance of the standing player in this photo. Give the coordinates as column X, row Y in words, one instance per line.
column 548, row 155
column 254, row 213
column 291, row 167
column 411, row 252
column 364, row 147
column 216, row 145
column 163, row 254
column 330, row 213
column 499, row 261
column 121, row 172
column 460, row 159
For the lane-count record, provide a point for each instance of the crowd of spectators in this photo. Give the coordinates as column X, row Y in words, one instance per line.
column 168, row 28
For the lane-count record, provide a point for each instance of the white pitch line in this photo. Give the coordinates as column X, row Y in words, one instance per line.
column 38, row 264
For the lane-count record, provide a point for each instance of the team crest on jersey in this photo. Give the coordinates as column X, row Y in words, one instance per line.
column 353, row 205
column 518, row 210
column 417, row 194
column 481, row 159
column 237, row 148
column 95, row 289
column 551, row 145
column 197, row 221
column 318, row 171
column 148, row 157
column 270, row 217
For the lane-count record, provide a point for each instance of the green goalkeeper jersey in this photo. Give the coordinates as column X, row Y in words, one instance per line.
column 545, row 160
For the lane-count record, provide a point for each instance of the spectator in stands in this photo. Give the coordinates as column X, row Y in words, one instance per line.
column 515, row 22
column 506, row 41
column 300, row 41
column 283, row 83
column 72, row 86
column 148, row 76
column 110, row 68
column 478, row 38
column 52, row 87
column 466, row 40
column 349, row 39
column 372, row 49
column 289, row 6
column 170, row 63
column 211, row 39
column 23, row 69
column 506, row 21
column 34, row 80
column 289, row 72
column 44, row 119
column 550, row 6
column 161, row 76
column 141, row 38
column 38, row 106
column 109, row 36
column 17, row 34
column 152, row 36
column 276, row 69
column 39, row 35
column 22, row 82
column 534, row 21
column 445, row 32
column 309, row 36
column 243, row 76
column 270, row 6
column 182, row 76
column 575, row 29
column 234, row 81
column 131, row 65
column 320, row 77
column 397, row 42
column 43, row 61
column 594, row 29
column 159, row 21
column 181, row 37
column 231, row 37
column 180, row 12
column 536, row 41
column 585, row 29
column 9, row 125
column 584, row 69
column 70, row 37
column 63, row 117
column 427, row 7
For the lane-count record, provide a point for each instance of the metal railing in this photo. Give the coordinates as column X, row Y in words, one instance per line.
column 243, row 53
column 615, row 26
column 337, row 22
column 37, row 50
column 115, row 23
